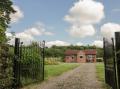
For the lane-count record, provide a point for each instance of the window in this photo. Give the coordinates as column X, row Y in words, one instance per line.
column 81, row 56
column 72, row 57
column 90, row 56
column 67, row 57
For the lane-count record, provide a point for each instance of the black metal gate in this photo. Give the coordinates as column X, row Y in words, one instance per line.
column 109, row 61
column 117, row 38
column 28, row 63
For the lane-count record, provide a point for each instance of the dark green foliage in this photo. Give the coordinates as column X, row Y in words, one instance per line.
column 5, row 11
column 5, row 69
column 99, row 52
column 58, row 51
column 99, row 59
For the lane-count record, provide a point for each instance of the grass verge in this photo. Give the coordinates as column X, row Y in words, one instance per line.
column 100, row 74
column 55, row 70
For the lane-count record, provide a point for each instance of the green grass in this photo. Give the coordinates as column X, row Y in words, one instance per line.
column 55, row 70
column 100, row 74
column 100, row 71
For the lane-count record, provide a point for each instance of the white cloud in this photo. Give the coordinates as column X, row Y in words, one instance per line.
column 85, row 12
column 82, row 16
column 8, row 34
column 82, row 31
column 38, row 30
column 57, row 43
column 35, row 31
column 16, row 16
column 29, row 34
column 49, row 33
column 108, row 30
column 79, row 44
column 26, row 38
column 24, row 35
column 98, row 43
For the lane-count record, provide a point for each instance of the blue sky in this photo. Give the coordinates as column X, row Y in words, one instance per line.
column 50, row 15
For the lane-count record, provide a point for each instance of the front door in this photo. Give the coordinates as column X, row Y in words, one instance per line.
column 73, row 59
column 90, row 58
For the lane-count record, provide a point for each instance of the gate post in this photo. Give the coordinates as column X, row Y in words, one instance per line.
column 117, row 38
column 16, row 65
column 43, row 54
column 110, row 62
column 114, row 60
column 104, row 58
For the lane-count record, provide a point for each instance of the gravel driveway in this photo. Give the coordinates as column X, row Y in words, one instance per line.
column 82, row 77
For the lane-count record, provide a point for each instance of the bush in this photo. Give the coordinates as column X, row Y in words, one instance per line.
column 52, row 61
column 5, row 67
column 99, row 59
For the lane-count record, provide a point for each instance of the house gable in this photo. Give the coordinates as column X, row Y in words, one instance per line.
column 80, row 56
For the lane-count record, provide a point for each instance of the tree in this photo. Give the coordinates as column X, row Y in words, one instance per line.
column 34, row 44
column 5, row 11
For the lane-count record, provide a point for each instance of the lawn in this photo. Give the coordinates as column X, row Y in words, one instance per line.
column 100, row 74
column 55, row 70
column 100, row 71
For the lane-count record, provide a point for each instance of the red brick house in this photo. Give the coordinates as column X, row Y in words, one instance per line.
column 80, row 56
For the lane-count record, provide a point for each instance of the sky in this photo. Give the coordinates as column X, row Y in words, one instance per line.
column 65, row 22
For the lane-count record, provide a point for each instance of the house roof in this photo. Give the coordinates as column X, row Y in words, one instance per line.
column 87, row 52
column 71, row 52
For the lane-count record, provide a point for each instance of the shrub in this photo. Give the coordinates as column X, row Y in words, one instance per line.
column 99, row 59
column 52, row 61
column 5, row 67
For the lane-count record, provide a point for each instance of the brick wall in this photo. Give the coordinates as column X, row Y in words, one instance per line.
column 71, row 58
column 81, row 58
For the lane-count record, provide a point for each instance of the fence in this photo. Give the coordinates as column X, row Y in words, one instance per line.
column 112, row 61
column 28, row 63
